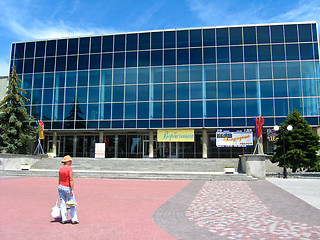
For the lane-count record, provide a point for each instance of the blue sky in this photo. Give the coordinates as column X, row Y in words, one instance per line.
column 25, row 20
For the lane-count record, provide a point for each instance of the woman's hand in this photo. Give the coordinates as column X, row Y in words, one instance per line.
column 71, row 193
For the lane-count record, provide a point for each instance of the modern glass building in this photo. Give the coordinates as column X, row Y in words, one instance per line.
column 120, row 89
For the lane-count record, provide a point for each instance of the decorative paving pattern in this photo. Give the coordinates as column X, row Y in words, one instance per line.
column 232, row 210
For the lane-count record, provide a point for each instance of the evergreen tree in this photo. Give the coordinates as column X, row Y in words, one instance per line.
column 15, row 129
column 301, row 144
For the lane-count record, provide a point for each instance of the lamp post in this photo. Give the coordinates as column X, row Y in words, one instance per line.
column 289, row 128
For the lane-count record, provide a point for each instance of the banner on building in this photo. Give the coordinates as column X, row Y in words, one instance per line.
column 100, row 150
column 175, row 135
column 272, row 135
column 234, row 138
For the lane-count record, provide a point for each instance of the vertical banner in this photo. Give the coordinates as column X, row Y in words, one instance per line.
column 100, row 150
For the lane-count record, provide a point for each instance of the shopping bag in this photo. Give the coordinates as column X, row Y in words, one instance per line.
column 56, row 210
column 72, row 202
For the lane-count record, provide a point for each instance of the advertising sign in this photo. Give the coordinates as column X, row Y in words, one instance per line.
column 175, row 135
column 272, row 135
column 100, row 150
column 234, row 138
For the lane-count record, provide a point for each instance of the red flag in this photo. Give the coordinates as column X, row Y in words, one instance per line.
column 259, row 124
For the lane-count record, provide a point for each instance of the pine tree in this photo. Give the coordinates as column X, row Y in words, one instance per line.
column 301, row 144
column 15, row 129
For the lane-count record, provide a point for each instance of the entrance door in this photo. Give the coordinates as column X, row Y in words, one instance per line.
column 145, row 148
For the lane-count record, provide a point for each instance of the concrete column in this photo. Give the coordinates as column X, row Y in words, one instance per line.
column 101, row 137
column 204, row 143
column 150, row 143
column 116, row 145
column 54, row 144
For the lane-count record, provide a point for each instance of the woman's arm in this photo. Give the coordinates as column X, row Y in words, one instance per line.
column 59, row 179
column 71, row 182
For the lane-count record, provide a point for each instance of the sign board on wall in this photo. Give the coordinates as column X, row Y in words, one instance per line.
column 234, row 138
column 100, row 150
column 175, row 135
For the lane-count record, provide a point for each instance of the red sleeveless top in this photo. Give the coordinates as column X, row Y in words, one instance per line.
column 64, row 173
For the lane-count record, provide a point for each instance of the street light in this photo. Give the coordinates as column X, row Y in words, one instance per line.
column 289, row 128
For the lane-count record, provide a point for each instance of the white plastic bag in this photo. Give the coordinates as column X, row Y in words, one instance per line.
column 56, row 211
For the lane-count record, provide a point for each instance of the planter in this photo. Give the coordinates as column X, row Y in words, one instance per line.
column 50, row 155
column 25, row 167
column 229, row 170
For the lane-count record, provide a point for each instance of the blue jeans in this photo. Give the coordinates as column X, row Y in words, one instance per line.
column 65, row 195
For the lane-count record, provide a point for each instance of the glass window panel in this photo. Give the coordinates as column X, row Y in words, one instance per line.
column 83, row 78
column 84, row 45
column 107, row 44
column 266, row 89
column 237, row 89
column 132, row 42
column 118, row 76
column 156, row 75
column 223, row 54
column 292, row 51
column 131, row 76
column 263, row 34
column 279, row 70
column 37, row 80
column 60, row 79
column 209, row 55
column 36, row 96
column 251, row 71
column 277, row 34
column 144, row 58
column 183, row 56
column 28, row 66
column 143, row 92
column 182, row 38
column 95, row 44
column 58, row 95
column 156, row 92
column 264, row 53
column 144, row 41
column 267, row 107
column 81, row 113
column 131, row 60
column 250, row 53
column 169, row 57
column 211, row 91
column 118, row 60
column 237, row 71
column 57, row 112
column 19, row 66
column 223, row 90
column 27, row 81
column 130, row 111
column 40, row 47
column 30, row 46
column 107, row 60
column 105, row 94
column 39, row 62
column 211, row 109
column 118, row 93
column 316, row 51
column 70, row 95
column 309, row 89
column 310, row 106
column 183, row 91
column 307, row 69
column 69, row 115
column 210, row 73
column 224, row 108
column 36, row 110
column 236, row 36
column 106, row 77
column 157, row 40
column 131, row 92
column 73, row 46
column 72, row 63
column 249, row 35
column 169, row 39
column 93, row 111
column 265, row 70
column 143, row 75
column 119, row 41
column 195, row 56
column 223, row 71
column 60, row 63
column 196, row 109
column 95, row 61
column 183, row 109
column 278, row 52
column 20, row 50
column 169, row 110
column 295, row 103
column 291, row 34
column 252, row 89
column 143, row 110
column 183, row 74
column 83, row 62
column 195, row 38
column 306, row 51
column 82, row 94
column 209, row 37
column 222, row 36
column 117, row 110
column 238, row 108
column 281, row 107
column 236, row 54
column 46, row 112
column 170, row 92
column 93, row 94
column 280, row 88
column 314, row 32
column 252, row 108
column 169, row 74
column 49, row 64
column 293, row 69
column 196, row 90
column 195, row 73
column 156, row 58
column 48, row 80
column 51, row 48
column 294, row 87
column 156, row 111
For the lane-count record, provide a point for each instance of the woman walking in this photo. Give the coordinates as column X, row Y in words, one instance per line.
column 66, row 190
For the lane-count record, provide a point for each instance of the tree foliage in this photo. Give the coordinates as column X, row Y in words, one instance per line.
column 301, row 144
column 15, row 129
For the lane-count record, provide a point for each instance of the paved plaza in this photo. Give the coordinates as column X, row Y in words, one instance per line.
column 151, row 209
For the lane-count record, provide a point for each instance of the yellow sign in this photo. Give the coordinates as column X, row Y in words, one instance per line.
column 174, row 135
